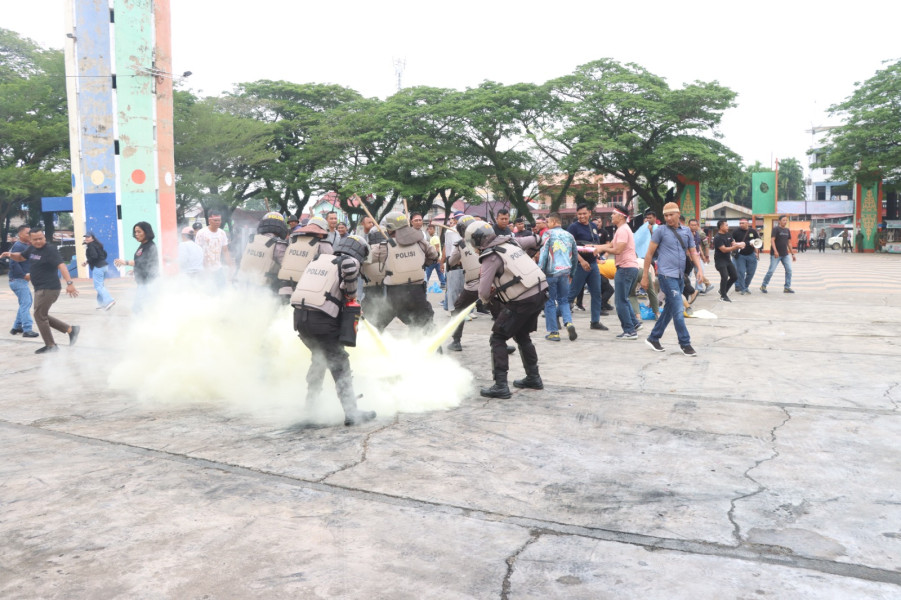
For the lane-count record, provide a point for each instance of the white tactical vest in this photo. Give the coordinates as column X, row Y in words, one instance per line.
column 300, row 253
column 374, row 269
column 470, row 261
column 520, row 272
column 405, row 264
column 258, row 260
column 319, row 287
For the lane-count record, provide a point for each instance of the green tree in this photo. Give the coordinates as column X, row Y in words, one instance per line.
column 622, row 120
column 218, row 154
column 296, row 112
column 868, row 144
column 34, row 130
column 791, row 180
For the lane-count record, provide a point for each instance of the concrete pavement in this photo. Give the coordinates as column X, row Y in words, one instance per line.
column 768, row 467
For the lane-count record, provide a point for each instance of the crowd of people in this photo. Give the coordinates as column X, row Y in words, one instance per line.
column 510, row 271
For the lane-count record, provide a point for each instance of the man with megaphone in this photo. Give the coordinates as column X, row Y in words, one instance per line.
column 747, row 258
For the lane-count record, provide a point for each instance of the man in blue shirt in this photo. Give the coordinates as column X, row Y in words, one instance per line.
column 18, row 283
column 586, row 234
column 674, row 244
column 558, row 255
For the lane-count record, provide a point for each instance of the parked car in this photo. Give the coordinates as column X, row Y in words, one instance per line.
column 835, row 242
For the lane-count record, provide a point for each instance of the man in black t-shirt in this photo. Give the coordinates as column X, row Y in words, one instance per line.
column 723, row 247
column 780, row 250
column 44, row 262
column 747, row 258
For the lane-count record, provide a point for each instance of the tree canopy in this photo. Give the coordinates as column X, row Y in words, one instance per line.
column 34, row 128
column 868, row 144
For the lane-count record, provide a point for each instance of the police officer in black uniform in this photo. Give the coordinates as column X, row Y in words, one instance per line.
column 508, row 273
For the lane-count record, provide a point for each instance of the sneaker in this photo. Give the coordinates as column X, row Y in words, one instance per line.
column 689, row 351
column 53, row 348
column 627, row 336
column 748, row 291
column 15, row 331
column 606, row 307
column 693, row 297
column 110, row 305
column 789, row 291
column 605, row 313
column 73, row 335
column 553, row 336
column 30, row 334
column 654, row 345
column 639, row 326
column 763, row 289
column 580, row 307
column 570, row 328
column 725, row 299
column 456, row 346
column 598, row 325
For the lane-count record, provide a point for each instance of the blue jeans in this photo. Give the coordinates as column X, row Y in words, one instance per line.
column 103, row 297
column 23, row 294
column 593, row 277
column 786, row 264
column 557, row 302
column 746, row 265
column 622, row 285
column 672, row 310
column 428, row 274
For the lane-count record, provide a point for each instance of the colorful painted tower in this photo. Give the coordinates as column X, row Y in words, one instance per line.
column 118, row 62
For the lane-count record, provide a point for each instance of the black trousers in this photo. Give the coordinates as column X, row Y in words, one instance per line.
column 319, row 333
column 516, row 320
column 407, row 302
column 374, row 303
column 728, row 275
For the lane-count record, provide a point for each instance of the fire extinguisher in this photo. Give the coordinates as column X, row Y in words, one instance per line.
column 349, row 321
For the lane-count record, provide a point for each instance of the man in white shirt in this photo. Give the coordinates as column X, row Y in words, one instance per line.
column 214, row 243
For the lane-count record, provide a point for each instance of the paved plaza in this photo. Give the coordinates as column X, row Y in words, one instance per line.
column 767, row 467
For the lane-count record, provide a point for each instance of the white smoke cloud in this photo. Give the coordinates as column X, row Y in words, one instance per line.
column 236, row 352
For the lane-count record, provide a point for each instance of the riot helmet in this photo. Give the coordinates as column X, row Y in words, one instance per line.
column 463, row 222
column 273, row 222
column 480, row 234
column 352, row 245
column 395, row 220
column 316, row 226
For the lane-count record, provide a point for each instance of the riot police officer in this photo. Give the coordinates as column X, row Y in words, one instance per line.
column 264, row 253
column 327, row 286
column 373, row 271
column 405, row 286
column 465, row 257
column 305, row 244
column 520, row 286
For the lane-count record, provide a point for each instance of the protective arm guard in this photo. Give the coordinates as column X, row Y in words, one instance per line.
column 350, row 272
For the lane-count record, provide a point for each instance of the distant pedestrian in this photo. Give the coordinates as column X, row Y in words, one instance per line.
column 623, row 249
column 747, row 258
column 723, row 247
column 858, row 241
column 214, row 243
column 557, row 258
column 821, row 240
column 44, row 263
column 676, row 245
column 18, row 282
column 780, row 250
column 190, row 256
column 96, row 259
column 846, row 241
column 146, row 263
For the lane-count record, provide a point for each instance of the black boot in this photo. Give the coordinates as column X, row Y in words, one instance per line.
column 532, row 379
column 499, row 389
column 352, row 415
column 456, row 346
column 530, row 362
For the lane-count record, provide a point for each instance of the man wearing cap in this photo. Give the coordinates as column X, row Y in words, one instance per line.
column 292, row 222
column 673, row 245
column 190, row 255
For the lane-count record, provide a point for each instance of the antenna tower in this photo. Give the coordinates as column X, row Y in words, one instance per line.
column 399, row 66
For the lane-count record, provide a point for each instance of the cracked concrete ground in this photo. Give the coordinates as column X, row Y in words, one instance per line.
column 766, row 467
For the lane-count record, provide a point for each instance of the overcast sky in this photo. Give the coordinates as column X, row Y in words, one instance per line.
column 788, row 60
